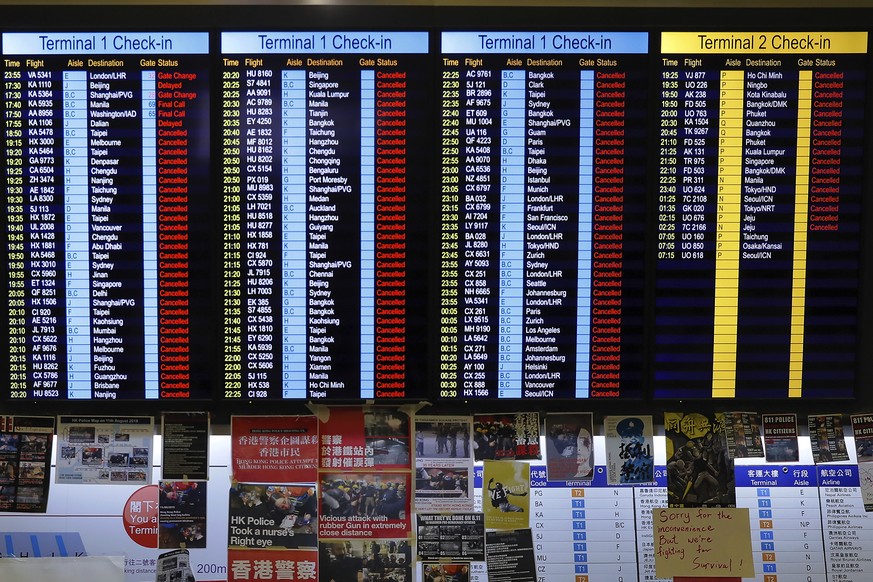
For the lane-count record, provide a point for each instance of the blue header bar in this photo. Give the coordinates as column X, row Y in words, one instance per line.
column 324, row 43
column 838, row 476
column 537, row 43
column 539, row 479
column 774, row 475
column 102, row 43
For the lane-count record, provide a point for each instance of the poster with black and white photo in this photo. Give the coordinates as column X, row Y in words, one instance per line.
column 510, row 556
column 506, row 494
column 105, row 450
column 443, row 464
column 453, row 537
column 174, row 566
column 185, row 446
column 382, row 560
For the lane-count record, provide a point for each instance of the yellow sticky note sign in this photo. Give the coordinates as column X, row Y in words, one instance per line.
column 703, row 542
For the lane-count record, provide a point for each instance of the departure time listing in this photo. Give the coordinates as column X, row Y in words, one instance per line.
column 323, row 283
column 759, row 214
column 106, row 162
column 542, row 206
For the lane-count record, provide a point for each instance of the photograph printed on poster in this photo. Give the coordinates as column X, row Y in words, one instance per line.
column 442, row 483
column 443, row 464
column 274, row 516
column 25, row 463
column 780, row 438
column 386, row 436
column 442, row 437
column 7, row 497
column 364, row 438
column 352, row 501
column 9, row 443
column 445, row 571
column 105, row 449
column 506, row 436
column 570, row 446
column 174, row 566
column 8, row 472
column 826, row 438
column 382, row 560
column 743, row 435
column 9, row 461
column 181, row 514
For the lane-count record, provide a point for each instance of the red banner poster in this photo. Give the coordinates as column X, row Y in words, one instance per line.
column 364, row 473
column 365, row 438
column 272, row 565
column 274, row 449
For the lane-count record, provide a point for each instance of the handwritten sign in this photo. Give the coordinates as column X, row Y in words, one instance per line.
column 703, row 543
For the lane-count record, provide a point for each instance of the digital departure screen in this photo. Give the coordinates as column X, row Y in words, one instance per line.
column 759, row 214
column 106, row 155
column 325, row 183
column 542, row 204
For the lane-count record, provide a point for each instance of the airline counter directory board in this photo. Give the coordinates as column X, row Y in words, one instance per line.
column 590, row 530
column 542, row 214
column 324, row 185
column 785, row 517
column 106, row 150
column 760, row 181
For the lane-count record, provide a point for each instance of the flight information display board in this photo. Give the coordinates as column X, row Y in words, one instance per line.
column 106, row 156
column 759, row 214
column 542, row 205
column 324, row 190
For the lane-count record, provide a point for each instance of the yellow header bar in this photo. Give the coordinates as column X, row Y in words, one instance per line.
column 813, row 43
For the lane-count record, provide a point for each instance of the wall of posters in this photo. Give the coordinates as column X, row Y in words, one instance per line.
column 270, row 531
